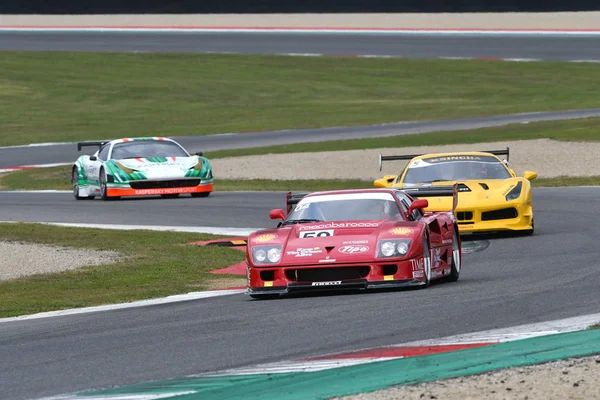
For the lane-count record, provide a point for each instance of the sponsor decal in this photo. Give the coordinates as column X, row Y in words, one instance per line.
column 304, row 252
column 302, row 207
column 332, row 283
column 267, row 237
column 401, row 231
column 312, row 234
column 418, row 274
column 446, row 241
column 165, row 191
column 327, row 260
column 418, row 264
column 456, row 158
column 437, row 258
column 331, row 225
column 355, row 242
column 353, row 249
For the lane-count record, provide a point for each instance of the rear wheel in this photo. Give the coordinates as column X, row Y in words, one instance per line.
column 75, row 182
column 456, row 259
column 202, row 194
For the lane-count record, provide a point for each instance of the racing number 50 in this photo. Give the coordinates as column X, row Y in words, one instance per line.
column 312, row 234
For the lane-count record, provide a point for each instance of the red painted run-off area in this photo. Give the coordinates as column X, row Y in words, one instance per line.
column 236, row 269
column 396, row 352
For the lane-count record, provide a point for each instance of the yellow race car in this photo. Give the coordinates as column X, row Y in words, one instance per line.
column 491, row 197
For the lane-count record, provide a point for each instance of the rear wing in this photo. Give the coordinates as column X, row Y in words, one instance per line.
column 382, row 158
column 80, row 145
column 291, row 199
column 435, row 191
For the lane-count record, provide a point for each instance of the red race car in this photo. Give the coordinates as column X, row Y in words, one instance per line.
column 354, row 239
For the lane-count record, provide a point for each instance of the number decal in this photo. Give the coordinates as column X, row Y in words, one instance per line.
column 313, row 234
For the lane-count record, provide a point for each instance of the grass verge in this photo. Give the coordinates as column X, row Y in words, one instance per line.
column 71, row 96
column 587, row 129
column 595, row 326
column 157, row 265
column 58, row 178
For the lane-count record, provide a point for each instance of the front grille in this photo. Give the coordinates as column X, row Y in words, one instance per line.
column 164, row 184
column 327, row 274
column 464, row 215
column 505, row 213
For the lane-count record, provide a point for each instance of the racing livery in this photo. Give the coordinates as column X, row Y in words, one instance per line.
column 140, row 167
column 353, row 239
column 491, row 196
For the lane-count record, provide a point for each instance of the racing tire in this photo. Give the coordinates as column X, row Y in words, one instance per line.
column 202, row 194
column 456, row 259
column 103, row 187
column 75, row 183
column 264, row 296
column 426, row 262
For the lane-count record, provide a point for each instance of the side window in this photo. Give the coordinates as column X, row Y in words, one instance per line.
column 406, row 202
column 103, row 155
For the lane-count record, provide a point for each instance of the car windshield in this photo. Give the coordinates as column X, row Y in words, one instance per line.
column 453, row 168
column 344, row 207
column 146, row 149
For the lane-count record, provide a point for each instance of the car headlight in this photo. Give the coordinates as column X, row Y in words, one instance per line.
column 393, row 247
column 515, row 192
column 266, row 254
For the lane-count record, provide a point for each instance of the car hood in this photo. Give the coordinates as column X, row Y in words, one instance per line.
column 470, row 192
column 162, row 167
column 333, row 242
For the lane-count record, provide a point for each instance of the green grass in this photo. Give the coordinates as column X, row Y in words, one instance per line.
column 587, row 129
column 595, row 326
column 70, row 96
column 158, row 264
column 58, row 178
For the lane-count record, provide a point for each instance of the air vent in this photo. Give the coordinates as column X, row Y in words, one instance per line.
column 463, row 188
column 483, row 185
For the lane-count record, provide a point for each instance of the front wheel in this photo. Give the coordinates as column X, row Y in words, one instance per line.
column 426, row 262
column 104, row 186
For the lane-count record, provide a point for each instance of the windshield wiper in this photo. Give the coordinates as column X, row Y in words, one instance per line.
column 300, row 221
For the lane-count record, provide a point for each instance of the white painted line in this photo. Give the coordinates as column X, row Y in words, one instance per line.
column 522, row 59
column 166, row 395
column 193, row 229
column 141, row 303
column 585, row 61
column 181, row 30
column 23, row 167
column 37, row 145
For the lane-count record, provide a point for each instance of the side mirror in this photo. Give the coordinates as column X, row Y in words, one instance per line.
column 199, row 153
column 530, row 175
column 277, row 214
column 93, row 158
column 386, row 181
column 418, row 204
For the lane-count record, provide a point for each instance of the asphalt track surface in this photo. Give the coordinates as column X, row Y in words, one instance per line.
column 516, row 280
column 67, row 152
column 542, row 47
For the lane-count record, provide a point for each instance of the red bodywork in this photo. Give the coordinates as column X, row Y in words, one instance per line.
column 347, row 258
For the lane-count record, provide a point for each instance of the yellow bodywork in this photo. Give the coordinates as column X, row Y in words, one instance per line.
column 484, row 208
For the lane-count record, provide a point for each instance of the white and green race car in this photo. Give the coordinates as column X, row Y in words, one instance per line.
column 140, row 167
